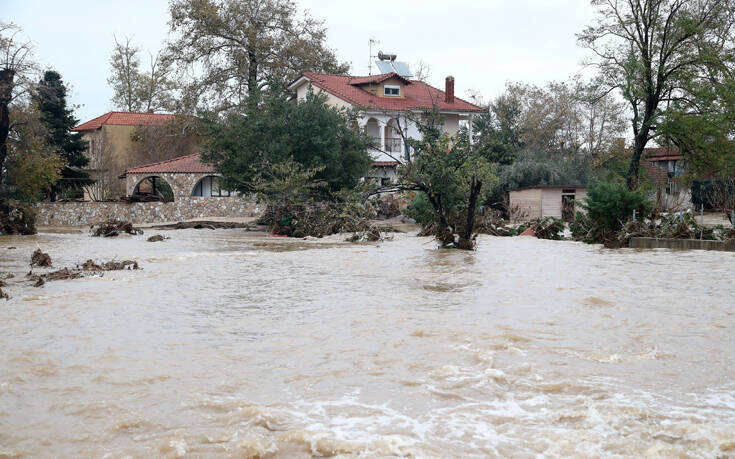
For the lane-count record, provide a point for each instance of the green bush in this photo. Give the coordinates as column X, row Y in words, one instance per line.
column 420, row 209
column 609, row 206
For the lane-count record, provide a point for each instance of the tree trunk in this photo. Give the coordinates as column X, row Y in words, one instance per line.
column 6, row 93
column 465, row 238
column 253, row 89
column 635, row 160
column 443, row 232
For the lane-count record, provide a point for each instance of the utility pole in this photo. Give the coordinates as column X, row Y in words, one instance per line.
column 372, row 42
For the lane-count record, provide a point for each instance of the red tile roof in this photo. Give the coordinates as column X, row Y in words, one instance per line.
column 190, row 164
column 417, row 95
column 662, row 153
column 385, row 163
column 126, row 119
column 376, row 79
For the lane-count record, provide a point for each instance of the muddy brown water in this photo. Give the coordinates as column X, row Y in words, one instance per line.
column 230, row 344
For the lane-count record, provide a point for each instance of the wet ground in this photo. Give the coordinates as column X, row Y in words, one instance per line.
column 233, row 344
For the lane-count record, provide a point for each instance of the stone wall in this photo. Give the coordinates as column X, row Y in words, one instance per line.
column 680, row 244
column 183, row 208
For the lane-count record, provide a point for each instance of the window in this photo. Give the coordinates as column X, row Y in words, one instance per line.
column 392, row 91
column 209, row 187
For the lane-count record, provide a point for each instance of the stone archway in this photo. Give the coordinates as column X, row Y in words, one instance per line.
column 154, row 186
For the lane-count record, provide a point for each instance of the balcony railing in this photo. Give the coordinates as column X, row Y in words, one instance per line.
column 393, row 145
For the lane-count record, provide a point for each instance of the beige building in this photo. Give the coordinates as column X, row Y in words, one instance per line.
column 545, row 201
column 387, row 103
column 120, row 140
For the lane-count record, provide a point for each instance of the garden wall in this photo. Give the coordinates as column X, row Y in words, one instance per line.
column 680, row 244
column 183, row 208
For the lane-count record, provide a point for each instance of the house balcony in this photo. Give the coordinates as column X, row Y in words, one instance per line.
column 393, row 145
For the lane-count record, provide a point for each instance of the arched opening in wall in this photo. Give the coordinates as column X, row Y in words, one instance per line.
column 393, row 141
column 153, row 188
column 372, row 128
column 209, row 186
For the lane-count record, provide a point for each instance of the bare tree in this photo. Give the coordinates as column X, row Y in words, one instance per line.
column 135, row 89
column 16, row 70
column 159, row 143
column 722, row 197
column 227, row 51
column 105, row 169
column 421, row 71
column 656, row 52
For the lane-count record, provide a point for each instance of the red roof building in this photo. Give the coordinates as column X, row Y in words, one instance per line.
column 125, row 119
column 388, row 105
column 415, row 96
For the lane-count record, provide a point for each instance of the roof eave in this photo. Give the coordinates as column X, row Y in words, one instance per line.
column 298, row 82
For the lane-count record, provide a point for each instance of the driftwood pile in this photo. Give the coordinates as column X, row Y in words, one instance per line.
column 112, row 228
column 201, row 225
column 673, row 226
column 317, row 219
column 86, row 268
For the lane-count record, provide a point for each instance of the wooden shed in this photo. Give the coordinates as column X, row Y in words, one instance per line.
column 545, row 201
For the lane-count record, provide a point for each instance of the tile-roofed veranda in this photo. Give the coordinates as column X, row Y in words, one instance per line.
column 125, row 119
column 190, row 164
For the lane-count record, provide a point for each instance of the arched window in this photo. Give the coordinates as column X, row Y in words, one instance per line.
column 154, row 186
column 209, row 186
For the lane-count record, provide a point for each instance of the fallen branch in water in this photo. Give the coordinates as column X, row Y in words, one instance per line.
column 40, row 259
column 112, row 228
column 86, row 268
column 201, row 225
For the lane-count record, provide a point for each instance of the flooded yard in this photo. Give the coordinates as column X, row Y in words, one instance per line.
column 231, row 344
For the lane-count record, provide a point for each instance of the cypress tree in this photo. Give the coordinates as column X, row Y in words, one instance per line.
column 59, row 120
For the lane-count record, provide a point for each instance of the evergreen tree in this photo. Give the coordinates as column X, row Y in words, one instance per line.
column 59, row 120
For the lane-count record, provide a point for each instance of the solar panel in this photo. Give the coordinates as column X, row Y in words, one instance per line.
column 400, row 68
column 384, row 66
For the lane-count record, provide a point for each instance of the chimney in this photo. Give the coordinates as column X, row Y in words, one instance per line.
column 449, row 90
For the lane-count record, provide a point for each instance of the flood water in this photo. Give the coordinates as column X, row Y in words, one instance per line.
column 230, row 344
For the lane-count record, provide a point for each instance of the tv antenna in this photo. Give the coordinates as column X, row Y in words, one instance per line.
column 372, row 42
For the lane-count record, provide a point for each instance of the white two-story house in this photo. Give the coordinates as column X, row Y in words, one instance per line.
column 386, row 104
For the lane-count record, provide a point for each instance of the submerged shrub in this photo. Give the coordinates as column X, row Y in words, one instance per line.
column 420, row 209
column 17, row 217
column 543, row 228
column 609, row 206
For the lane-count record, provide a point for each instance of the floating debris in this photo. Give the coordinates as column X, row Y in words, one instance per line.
column 112, row 228
column 86, row 268
column 90, row 265
column 202, row 225
column 40, row 259
column 157, row 238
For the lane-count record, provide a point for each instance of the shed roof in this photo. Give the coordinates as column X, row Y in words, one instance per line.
column 549, row 186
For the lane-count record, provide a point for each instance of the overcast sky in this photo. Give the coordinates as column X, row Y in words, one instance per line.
column 482, row 43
